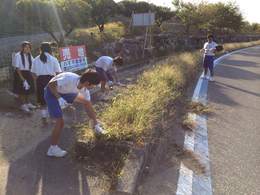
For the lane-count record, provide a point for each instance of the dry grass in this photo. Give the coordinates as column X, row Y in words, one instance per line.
column 138, row 109
column 199, row 108
column 188, row 123
column 234, row 46
column 93, row 38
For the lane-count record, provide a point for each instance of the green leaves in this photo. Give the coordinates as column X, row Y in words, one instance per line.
column 217, row 18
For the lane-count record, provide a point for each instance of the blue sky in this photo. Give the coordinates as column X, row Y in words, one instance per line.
column 249, row 8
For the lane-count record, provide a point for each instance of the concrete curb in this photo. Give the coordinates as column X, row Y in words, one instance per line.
column 131, row 172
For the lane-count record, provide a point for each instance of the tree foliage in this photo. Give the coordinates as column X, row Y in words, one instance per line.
column 218, row 17
column 52, row 15
column 101, row 11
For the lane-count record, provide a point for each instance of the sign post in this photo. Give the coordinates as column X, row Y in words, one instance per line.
column 147, row 20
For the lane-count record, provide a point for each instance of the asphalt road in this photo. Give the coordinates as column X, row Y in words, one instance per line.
column 234, row 128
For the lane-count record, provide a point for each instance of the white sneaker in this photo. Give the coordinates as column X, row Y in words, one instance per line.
column 25, row 108
column 31, row 106
column 44, row 113
column 204, row 77
column 211, row 79
column 56, row 151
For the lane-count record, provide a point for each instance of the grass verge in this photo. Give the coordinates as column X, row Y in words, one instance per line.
column 138, row 109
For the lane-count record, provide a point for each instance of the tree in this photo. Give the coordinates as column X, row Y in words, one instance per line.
column 227, row 18
column 126, row 8
column 101, row 11
column 217, row 18
column 162, row 14
column 53, row 15
column 188, row 14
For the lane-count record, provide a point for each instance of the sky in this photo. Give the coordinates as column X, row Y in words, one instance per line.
column 250, row 8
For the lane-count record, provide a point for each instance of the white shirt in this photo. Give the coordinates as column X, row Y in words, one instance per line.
column 19, row 63
column 208, row 47
column 104, row 62
column 67, row 82
column 51, row 67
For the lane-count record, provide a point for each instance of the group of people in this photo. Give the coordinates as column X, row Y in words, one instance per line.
column 55, row 89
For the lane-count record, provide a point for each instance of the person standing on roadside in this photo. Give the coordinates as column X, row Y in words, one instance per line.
column 23, row 80
column 209, row 50
column 44, row 68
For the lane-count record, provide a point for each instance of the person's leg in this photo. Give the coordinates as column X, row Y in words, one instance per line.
column 205, row 65
column 211, row 66
column 22, row 98
column 56, row 113
column 24, row 107
column 56, row 132
column 103, row 77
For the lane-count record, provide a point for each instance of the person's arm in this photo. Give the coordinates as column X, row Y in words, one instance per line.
column 214, row 49
column 17, row 66
column 20, row 74
column 203, row 49
column 57, row 67
column 34, row 76
column 33, row 70
column 53, row 88
column 89, row 108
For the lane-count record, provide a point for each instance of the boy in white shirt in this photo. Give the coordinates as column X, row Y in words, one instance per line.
column 209, row 50
column 106, row 68
column 64, row 89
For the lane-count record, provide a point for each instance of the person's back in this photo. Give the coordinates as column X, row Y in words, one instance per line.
column 104, row 62
column 66, row 82
column 51, row 67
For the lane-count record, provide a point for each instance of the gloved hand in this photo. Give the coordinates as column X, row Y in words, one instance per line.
column 99, row 129
column 26, row 86
column 63, row 103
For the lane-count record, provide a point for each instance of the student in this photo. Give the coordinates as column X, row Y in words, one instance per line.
column 23, row 80
column 44, row 68
column 67, row 88
column 106, row 68
column 209, row 50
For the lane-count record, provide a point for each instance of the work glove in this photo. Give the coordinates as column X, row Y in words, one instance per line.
column 26, row 86
column 63, row 103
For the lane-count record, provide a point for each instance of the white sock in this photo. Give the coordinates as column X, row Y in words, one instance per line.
column 44, row 113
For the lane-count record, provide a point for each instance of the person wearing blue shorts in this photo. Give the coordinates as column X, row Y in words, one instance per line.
column 209, row 50
column 62, row 90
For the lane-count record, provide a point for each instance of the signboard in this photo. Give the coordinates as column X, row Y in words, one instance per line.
column 73, row 58
column 143, row 19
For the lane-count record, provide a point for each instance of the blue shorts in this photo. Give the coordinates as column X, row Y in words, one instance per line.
column 52, row 102
column 208, row 62
column 104, row 75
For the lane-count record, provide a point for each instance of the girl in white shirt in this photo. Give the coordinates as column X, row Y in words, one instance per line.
column 44, row 68
column 23, row 80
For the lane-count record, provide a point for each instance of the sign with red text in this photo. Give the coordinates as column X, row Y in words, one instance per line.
column 73, row 58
